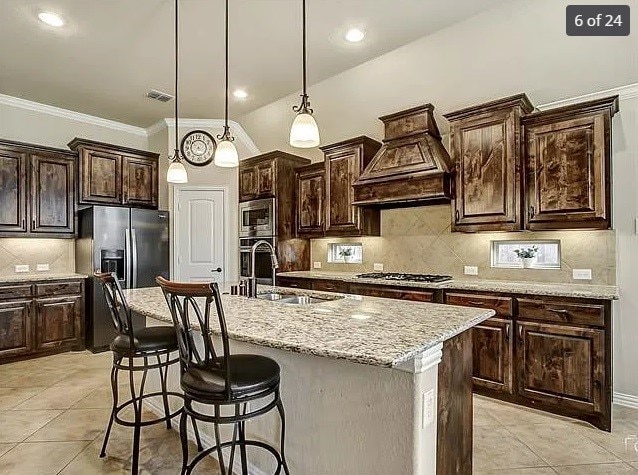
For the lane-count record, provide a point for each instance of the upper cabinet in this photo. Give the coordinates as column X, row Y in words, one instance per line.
column 257, row 178
column 110, row 174
column 485, row 144
column 310, row 190
column 37, row 191
column 344, row 162
column 568, row 166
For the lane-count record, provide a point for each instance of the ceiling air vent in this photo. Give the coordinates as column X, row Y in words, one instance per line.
column 159, row 95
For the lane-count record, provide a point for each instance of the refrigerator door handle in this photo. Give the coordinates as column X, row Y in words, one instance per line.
column 134, row 249
column 127, row 257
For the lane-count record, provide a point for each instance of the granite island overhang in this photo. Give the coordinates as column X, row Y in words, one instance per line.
column 363, row 380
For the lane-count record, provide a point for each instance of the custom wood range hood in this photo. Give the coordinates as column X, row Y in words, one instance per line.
column 412, row 167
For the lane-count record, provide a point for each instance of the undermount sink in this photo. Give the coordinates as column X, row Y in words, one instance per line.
column 292, row 298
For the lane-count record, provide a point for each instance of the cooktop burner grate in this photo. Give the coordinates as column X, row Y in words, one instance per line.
column 407, row 277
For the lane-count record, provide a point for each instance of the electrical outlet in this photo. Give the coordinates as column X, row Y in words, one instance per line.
column 378, row 266
column 316, row 265
column 22, row 268
column 581, row 274
column 42, row 267
column 470, row 270
column 427, row 410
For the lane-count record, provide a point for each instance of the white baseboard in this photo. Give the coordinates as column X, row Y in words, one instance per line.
column 625, row 400
column 207, row 441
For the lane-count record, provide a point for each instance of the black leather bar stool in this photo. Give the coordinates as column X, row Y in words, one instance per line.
column 220, row 380
column 133, row 351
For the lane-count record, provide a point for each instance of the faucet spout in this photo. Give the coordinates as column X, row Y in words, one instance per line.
column 274, row 262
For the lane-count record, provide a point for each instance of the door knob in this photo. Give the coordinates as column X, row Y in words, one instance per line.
column 219, row 269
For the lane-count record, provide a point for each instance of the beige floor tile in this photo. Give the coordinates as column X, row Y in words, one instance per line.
column 56, row 397
column 11, row 397
column 74, row 424
column 623, row 412
column 517, row 471
column 100, row 398
column 622, row 441
column 117, row 461
column 483, row 418
column 165, row 458
column 87, row 377
column 37, row 377
column 18, row 425
column 596, row 469
column 4, row 448
column 634, row 464
column 496, row 448
column 512, row 414
column 39, row 458
column 561, row 444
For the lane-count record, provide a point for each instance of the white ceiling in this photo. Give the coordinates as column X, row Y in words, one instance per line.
column 111, row 52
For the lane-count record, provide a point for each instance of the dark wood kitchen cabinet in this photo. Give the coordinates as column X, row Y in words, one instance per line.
column 39, row 318
column 116, row 175
column 568, row 166
column 486, row 148
column 344, row 162
column 258, row 175
column 38, row 191
column 310, row 191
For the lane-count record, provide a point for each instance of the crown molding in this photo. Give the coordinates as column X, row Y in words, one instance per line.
column 424, row 361
column 629, row 91
column 68, row 114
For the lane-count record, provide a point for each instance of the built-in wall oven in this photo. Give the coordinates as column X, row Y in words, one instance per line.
column 263, row 263
column 257, row 218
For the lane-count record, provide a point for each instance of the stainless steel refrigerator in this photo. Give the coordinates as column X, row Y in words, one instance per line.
column 133, row 243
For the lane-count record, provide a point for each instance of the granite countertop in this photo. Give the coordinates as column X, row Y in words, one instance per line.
column 39, row 277
column 552, row 289
column 368, row 330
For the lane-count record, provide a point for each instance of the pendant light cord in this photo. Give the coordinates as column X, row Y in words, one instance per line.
column 303, row 28
column 176, row 78
column 226, row 90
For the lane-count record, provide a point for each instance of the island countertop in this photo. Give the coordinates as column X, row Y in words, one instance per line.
column 368, row 330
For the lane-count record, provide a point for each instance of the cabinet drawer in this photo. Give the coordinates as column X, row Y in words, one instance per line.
column 294, row 283
column 562, row 312
column 392, row 293
column 330, row 285
column 58, row 288
column 504, row 306
column 15, row 292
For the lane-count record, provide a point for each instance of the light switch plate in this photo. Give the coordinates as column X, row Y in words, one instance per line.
column 428, row 409
column 22, row 268
column 378, row 266
column 42, row 267
column 316, row 265
column 581, row 274
column 470, row 270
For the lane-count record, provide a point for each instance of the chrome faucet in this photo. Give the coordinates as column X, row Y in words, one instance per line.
column 273, row 262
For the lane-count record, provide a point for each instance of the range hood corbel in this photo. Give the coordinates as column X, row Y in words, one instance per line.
column 411, row 168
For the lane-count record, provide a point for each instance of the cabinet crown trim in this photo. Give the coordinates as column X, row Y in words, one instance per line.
column 518, row 100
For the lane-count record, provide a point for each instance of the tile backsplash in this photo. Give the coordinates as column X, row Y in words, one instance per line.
column 420, row 240
column 58, row 253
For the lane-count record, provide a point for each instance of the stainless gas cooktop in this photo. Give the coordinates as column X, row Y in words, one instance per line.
column 430, row 278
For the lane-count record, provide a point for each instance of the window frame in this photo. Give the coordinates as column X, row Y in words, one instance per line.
column 332, row 253
column 494, row 252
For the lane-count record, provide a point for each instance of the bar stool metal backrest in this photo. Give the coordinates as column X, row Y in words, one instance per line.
column 116, row 302
column 196, row 348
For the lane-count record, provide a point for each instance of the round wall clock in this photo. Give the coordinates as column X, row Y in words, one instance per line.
column 198, row 147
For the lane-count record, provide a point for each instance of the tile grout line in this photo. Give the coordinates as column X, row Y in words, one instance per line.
column 79, row 453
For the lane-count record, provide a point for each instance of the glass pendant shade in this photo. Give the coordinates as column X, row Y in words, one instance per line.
column 304, row 132
column 226, row 155
column 176, row 173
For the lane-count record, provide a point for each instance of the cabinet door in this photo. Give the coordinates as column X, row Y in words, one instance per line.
column 265, row 179
column 486, row 152
column 100, row 177
column 52, row 194
column 417, row 295
column 567, row 174
column 15, row 328
column 342, row 170
column 247, row 183
column 13, row 194
column 562, row 365
column 58, row 322
column 310, row 202
column 139, row 181
column 492, row 351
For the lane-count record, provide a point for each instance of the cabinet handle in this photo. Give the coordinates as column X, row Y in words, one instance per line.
column 507, row 331
column 560, row 311
column 33, row 223
column 520, row 333
column 532, row 212
column 24, row 224
column 457, row 215
column 472, row 302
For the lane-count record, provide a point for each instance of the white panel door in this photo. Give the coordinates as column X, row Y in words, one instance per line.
column 199, row 236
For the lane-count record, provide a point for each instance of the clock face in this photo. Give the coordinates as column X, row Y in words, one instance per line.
column 198, row 148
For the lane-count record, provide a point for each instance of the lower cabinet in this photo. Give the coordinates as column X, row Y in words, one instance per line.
column 417, row 295
column 41, row 318
column 493, row 355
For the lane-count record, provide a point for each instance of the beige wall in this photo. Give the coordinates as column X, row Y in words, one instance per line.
column 58, row 253
column 420, row 240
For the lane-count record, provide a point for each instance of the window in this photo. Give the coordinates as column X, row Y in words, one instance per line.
column 547, row 257
column 348, row 253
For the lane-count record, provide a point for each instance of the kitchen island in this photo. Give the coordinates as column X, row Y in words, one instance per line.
column 370, row 385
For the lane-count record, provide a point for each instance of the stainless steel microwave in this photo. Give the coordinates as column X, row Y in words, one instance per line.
column 257, row 218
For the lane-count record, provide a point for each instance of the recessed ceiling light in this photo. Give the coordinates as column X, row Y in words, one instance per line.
column 354, row 35
column 50, row 18
column 240, row 94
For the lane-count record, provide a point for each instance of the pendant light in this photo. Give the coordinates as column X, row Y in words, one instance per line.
column 176, row 171
column 304, row 132
column 226, row 153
